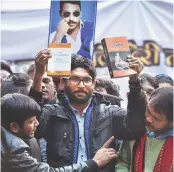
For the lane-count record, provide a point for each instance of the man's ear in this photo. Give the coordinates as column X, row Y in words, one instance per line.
column 14, row 127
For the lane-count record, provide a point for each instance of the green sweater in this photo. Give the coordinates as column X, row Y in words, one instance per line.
column 152, row 150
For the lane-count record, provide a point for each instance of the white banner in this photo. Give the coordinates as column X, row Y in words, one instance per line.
column 148, row 26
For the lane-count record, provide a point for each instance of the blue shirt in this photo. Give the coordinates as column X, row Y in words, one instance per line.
column 161, row 136
column 82, row 155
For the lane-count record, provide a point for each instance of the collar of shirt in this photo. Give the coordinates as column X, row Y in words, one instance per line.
column 76, row 44
column 161, row 136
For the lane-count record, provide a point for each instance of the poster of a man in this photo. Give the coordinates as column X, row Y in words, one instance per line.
column 73, row 22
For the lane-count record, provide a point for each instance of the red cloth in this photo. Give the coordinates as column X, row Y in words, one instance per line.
column 164, row 162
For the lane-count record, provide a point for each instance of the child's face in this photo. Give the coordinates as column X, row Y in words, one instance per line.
column 29, row 128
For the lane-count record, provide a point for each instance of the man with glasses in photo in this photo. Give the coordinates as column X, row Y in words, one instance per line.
column 72, row 29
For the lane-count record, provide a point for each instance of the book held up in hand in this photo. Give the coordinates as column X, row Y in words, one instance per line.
column 60, row 62
column 116, row 50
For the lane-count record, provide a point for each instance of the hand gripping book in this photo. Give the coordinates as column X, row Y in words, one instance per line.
column 116, row 50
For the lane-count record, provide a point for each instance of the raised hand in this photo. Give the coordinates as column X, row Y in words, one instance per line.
column 41, row 61
column 136, row 64
column 105, row 154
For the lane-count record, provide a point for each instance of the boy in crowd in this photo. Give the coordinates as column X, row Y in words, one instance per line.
column 19, row 120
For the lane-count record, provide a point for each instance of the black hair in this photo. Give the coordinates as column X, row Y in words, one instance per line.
column 162, row 101
column 16, row 83
column 31, row 69
column 152, row 80
column 5, row 66
column 109, row 85
column 163, row 78
column 111, row 88
column 71, row 2
column 17, row 108
column 83, row 62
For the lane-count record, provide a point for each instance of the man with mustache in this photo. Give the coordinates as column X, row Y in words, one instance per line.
column 78, row 125
column 154, row 150
column 49, row 95
column 73, row 30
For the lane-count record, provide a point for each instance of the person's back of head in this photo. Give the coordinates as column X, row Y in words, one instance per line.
column 78, row 61
column 107, row 86
column 164, row 80
column 100, row 85
column 110, row 87
column 162, row 101
column 152, row 80
column 31, row 70
column 113, row 88
column 16, row 108
column 148, row 84
column 16, row 83
column 5, row 66
column 5, row 69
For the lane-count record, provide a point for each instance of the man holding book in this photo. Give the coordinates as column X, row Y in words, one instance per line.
column 78, row 125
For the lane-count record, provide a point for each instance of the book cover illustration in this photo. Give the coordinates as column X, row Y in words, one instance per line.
column 116, row 50
column 73, row 22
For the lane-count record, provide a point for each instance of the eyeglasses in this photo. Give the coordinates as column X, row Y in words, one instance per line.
column 76, row 81
column 75, row 14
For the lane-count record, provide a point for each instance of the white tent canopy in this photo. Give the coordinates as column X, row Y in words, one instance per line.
column 25, row 24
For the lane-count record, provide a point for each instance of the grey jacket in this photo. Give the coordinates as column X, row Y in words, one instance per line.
column 16, row 157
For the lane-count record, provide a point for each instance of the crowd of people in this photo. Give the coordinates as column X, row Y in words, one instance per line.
column 78, row 124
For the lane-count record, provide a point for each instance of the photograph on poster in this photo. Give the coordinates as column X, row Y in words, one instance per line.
column 73, row 22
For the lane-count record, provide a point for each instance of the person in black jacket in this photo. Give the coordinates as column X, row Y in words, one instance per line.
column 19, row 121
column 78, row 125
column 21, row 83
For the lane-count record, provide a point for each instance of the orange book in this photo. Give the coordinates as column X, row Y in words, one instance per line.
column 116, row 50
column 60, row 63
